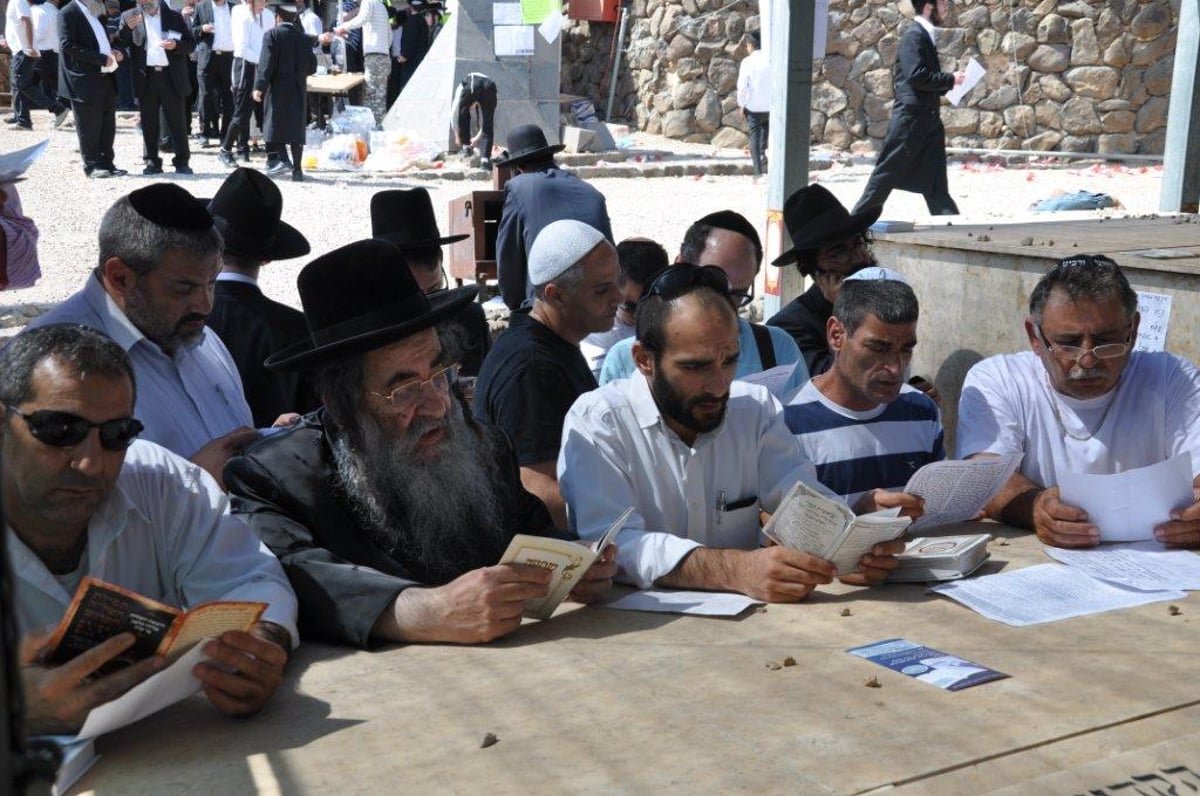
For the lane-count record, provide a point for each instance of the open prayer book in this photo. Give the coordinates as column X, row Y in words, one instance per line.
column 102, row 610
column 809, row 521
column 569, row 561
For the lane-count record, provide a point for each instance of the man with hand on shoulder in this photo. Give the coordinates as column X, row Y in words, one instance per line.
column 1081, row 401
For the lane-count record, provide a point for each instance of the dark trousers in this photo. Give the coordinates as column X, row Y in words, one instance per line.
column 760, row 126
column 124, row 73
column 47, row 69
column 96, row 126
column 27, row 84
column 277, row 153
column 487, row 121
column 160, row 96
column 913, row 158
column 243, row 107
column 216, row 95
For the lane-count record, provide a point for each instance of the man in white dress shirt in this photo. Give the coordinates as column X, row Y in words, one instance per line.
column 82, row 499
column 754, row 98
column 250, row 20
column 152, row 292
column 698, row 455
column 1081, row 401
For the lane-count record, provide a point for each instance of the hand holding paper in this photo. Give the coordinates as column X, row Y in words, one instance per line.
column 1129, row 506
column 971, row 77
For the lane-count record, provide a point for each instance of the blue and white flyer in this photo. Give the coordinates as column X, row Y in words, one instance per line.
column 928, row 665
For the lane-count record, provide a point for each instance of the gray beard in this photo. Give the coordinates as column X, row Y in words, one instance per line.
column 441, row 517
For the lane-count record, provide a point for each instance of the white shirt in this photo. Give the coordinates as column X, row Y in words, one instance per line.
column 222, row 28
column 164, row 532
column 595, row 346
column 311, row 23
column 1008, row 406
column 44, row 17
column 97, row 28
column 248, row 32
column 372, row 17
column 928, row 26
column 155, row 54
column 186, row 399
column 14, row 31
column 617, row 451
column 754, row 83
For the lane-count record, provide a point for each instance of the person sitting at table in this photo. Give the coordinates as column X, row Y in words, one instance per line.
column 1081, row 401
column 858, row 422
column 390, row 507
column 697, row 454
column 84, row 498
column 640, row 260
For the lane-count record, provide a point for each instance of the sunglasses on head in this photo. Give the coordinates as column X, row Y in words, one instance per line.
column 65, row 430
column 677, row 279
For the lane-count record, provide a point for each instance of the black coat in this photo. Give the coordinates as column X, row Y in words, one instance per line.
column 177, row 59
column 284, row 65
column 804, row 319
column 531, row 202
column 285, row 489
column 253, row 327
column 917, row 75
column 80, row 59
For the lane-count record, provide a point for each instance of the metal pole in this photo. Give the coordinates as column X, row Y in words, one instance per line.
column 1181, row 172
column 790, row 50
column 616, row 66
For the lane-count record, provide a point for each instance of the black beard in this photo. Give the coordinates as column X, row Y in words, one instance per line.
column 675, row 407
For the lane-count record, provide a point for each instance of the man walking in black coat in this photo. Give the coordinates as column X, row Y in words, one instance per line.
column 212, row 27
column 284, row 65
column 160, row 43
column 86, row 65
column 913, row 157
column 247, row 211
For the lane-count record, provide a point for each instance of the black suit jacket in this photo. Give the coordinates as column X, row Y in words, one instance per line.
column 80, row 59
column 531, row 202
column 203, row 15
column 253, row 327
column 177, row 59
column 285, row 488
column 917, row 73
column 805, row 318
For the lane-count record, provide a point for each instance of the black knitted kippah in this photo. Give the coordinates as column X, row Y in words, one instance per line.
column 168, row 205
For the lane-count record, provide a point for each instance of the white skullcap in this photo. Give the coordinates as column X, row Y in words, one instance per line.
column 876, row 273
column 559, row 246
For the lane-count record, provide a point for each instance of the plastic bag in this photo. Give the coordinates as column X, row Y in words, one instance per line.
column 342, row 153
column 353, row 120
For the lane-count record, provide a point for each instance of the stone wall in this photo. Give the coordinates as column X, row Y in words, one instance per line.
column 1079, row 76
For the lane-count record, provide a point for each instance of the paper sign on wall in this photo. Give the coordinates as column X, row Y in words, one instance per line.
column 506, row 14
column 1155, row 309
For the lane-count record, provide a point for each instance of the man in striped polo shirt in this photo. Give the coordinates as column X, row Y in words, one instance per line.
column 859, row 422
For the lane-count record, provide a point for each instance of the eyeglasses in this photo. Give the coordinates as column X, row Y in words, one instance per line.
column 844, row 252
column 407, row 394
column 628, row 306
column 742, row 297
column 443, row 284
column 65, row 430
column 1073, row 353
column 676, row 279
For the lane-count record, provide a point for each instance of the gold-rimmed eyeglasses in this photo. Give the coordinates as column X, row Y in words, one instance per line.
column 408, row 393
column 1074, row 353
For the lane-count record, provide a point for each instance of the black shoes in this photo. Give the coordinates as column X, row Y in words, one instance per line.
column 152, row 169
column 225, row 158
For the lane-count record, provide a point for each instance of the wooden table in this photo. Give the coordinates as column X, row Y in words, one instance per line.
column 334, row 85
column 605, row 701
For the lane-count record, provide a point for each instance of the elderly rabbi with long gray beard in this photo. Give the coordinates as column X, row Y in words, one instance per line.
column 390, row 506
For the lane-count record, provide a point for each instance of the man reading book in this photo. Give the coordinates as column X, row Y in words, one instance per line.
column 698, row 455
column 391, row 507
column 83, row 497
column 859, row 423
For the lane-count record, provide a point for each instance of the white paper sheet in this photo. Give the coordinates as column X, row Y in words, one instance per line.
column 506, row 14
column 14, row 164
column 820, row 29
column 551, row 27
column 775, row 379
column 514, row 40
column 956, row 491
column 169, row 686
column 1145, row 566
column 1126, row 506
column 974, row 74
column 1155, row 309
column 1045, row 593
column 701, row 603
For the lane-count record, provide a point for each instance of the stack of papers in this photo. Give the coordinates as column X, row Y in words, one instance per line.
column 700, row 603
column 1143, row 566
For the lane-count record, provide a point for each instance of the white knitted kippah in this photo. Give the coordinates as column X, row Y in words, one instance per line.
column 876, row 273
column 559, row 246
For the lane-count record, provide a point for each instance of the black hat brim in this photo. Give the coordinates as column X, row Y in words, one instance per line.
column 398, row 240
column 288, row 243
column 304, row 355
column 854, row 224
column 552, row 149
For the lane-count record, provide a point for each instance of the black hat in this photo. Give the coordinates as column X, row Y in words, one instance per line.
column 527, row 142
column 168, row 205
column 814, row 217
column 282, row 5
column 355, row 300
column 405, row 219
column 246, row 210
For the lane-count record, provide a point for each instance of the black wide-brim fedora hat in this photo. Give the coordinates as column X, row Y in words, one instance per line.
column 355, row 300
column 246, row 210
column 405, row 219
column 814, row 218
column 525, row 143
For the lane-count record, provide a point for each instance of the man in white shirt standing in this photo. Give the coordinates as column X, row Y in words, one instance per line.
column 212, row 28
column 26, row 84
column 1081, row 401
column 250, row 20
column 82, row 504
column 754, row 98
column 698, row 455
column 44, row 17
column 372, row 17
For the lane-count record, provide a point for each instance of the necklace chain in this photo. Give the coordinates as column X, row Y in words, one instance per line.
column 1063, row 426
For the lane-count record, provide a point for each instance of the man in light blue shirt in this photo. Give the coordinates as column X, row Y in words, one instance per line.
column 729, row 241
column 151, row 293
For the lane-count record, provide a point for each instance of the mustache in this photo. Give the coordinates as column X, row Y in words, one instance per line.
column 75, row 480
column 706, row 398
column 1078, row 373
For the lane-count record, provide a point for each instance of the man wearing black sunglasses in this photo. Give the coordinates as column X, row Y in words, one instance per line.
column 1081, row 401
column 83, row 498
column 696, row 453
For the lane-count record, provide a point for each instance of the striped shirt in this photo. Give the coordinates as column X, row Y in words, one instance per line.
column 855, row 452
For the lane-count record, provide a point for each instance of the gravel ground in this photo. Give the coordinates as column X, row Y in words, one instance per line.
column 332, row 208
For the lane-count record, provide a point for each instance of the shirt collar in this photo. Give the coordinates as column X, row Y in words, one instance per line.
column 230, row 276
column 928, row 26
column 648, row 415
column 116, row 323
